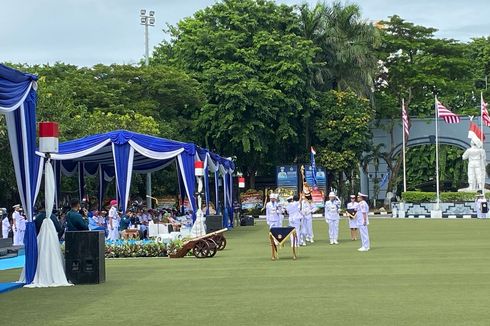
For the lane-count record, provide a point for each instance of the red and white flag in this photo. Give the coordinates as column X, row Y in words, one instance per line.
column 476, row 134
column 484, row 112
column 406, row 121
column 312, row 150
column 443, row 112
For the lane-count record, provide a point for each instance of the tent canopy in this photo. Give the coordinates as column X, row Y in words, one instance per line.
column 119, row 153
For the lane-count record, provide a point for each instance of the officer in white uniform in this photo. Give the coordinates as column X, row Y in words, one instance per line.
column 307, row 209
column 17, row 226
column 5, row 225
column 113, row 221
column 272, row 210
column 352, row 206
column 332, row 217
column 481, row 212
column 295, row 216
column 363, row 221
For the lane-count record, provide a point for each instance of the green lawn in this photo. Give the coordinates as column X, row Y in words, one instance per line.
column 418, row 272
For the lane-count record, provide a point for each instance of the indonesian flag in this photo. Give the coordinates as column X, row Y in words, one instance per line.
column 476, row 135
column 484, row 112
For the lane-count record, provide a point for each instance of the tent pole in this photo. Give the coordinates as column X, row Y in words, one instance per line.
column 148, row 190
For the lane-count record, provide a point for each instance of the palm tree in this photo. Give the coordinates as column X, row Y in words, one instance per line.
column 346, row 60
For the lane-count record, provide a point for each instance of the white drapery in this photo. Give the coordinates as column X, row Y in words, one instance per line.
column 50, row 271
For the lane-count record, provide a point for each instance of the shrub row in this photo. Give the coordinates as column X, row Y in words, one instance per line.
column 426, row 197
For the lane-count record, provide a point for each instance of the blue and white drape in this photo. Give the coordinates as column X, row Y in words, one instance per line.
column 121, row 153
column 18, row 104
column 224, row 168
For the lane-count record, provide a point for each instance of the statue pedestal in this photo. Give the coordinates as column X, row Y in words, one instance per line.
column 436, row 213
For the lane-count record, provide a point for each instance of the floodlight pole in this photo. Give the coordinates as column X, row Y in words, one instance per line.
column 147, row 20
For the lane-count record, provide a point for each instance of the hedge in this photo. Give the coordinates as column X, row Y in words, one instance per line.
column 426, row 197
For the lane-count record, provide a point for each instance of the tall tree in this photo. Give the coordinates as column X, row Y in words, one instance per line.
column 253, row 64
column 343, row 130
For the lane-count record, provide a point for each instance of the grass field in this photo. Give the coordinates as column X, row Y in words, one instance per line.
column 418, row 272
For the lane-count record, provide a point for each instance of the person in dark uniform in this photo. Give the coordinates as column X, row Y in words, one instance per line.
column 74, row 220
column 40, row 218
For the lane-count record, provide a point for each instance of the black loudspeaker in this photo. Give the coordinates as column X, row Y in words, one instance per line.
column 214, row 223
column 85, row 257
column 484, row 207
column 247, row 220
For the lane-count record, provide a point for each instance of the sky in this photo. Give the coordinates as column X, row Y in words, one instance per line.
column 87, row 32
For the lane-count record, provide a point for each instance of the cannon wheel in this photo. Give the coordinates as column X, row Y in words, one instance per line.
column 201, row 249
column 220, row 241
column 213, row 248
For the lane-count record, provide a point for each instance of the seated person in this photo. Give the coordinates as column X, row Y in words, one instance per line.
column 124, row 224
column 40, row 218
column 94, row 222
column 175, row 224
column 74, row 220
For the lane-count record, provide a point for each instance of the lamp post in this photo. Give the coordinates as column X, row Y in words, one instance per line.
column 147, row 20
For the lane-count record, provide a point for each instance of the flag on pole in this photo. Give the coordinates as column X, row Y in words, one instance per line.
column 484, row 112
column 476, row 134
column 406, row 121
column 313, row 166
column 443, row 112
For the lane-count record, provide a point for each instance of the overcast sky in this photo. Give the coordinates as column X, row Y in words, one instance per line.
column 86, row 32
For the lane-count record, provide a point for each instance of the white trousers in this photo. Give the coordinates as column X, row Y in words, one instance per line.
column 113, row 234
column 333, row 229
column 19, row 237
column 5, row 233
column 307, row 228
column 363, row 229
column 297, row 225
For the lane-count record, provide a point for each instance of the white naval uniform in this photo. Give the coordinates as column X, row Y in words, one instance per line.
column 363, row 229
column 5, row 227
column 478, row 203
column 20, row 229
column 353, row 221
column 332, row 218
column 114, row 233
column 307, row 209
column 272, row 217
column 294, row 214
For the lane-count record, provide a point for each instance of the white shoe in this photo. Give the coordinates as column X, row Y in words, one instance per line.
column 336, row 242
column 312, row 241
column 361, row 249
column 331, row 242
column 303, row 244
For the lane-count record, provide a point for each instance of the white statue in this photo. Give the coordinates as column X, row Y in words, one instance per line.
column 476, row 157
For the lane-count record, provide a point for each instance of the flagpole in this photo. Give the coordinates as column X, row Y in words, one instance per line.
column 437, row 154
column 483, row 139
column 403, row 140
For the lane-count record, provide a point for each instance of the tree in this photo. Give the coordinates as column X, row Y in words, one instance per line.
column 343, row 130
column 253, row 65
column 417, row 66
column 346, row 59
